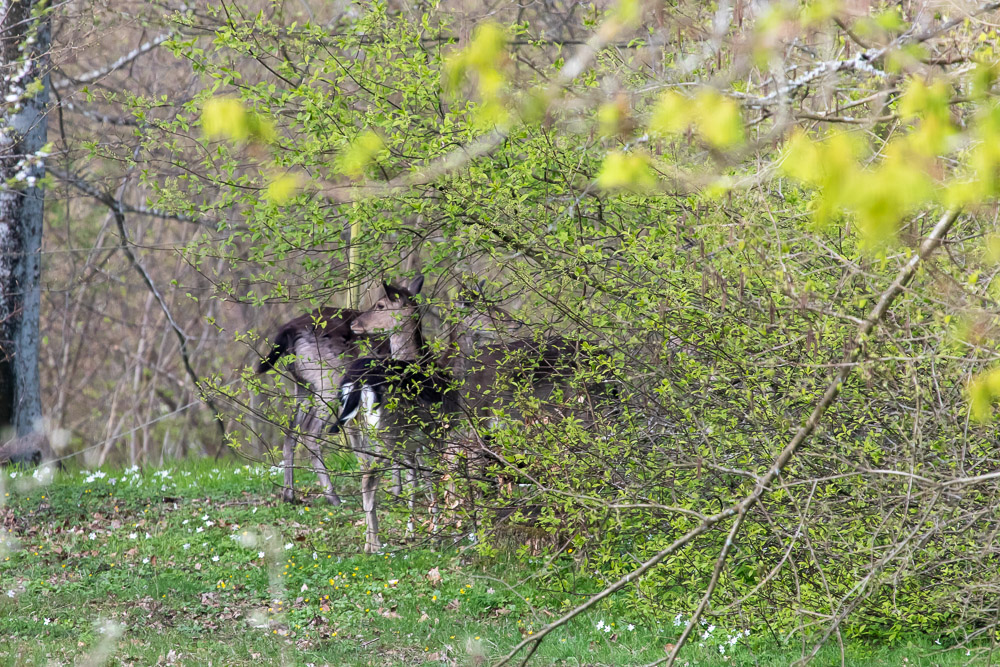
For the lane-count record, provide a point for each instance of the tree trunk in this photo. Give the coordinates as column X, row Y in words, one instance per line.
column 24, row 96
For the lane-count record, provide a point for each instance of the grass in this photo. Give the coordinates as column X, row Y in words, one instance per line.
column 201, row 565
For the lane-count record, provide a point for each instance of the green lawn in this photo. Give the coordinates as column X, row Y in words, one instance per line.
column 201, row 565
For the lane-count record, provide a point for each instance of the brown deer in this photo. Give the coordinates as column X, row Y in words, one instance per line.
column 323, row 344
column 491, row 356
column 402, row 400
column 496, row 359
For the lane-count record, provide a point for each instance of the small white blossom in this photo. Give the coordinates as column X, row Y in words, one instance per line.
column 133, row 536
column 145, row 560
column 92, row 536
column 186, row 547
column 288, row 546
column 260, row 554
column 215, row 559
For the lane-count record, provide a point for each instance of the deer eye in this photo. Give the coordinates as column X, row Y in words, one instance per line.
column 379, row 306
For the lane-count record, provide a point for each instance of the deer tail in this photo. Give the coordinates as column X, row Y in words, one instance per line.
column 350, row 402
column 282, row 345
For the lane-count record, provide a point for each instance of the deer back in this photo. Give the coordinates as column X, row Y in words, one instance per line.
column 323, row 344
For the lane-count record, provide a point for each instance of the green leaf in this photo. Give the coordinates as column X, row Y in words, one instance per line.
column 718, row 119
column 282, row 188
column 671, row 115
column 627, row 171
column 224, row 117
column 359, row 154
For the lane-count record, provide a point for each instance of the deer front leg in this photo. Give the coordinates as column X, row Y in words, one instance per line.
column 369, row 487
column 288, row 458
column 411, row 489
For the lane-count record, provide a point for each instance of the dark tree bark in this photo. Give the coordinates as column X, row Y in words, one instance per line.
column 24, row 96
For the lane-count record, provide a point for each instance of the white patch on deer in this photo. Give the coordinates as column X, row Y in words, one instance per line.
column 345, row 393
column 372, row 414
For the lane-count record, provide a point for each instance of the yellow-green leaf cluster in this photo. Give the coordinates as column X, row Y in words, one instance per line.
column 878, row 196
column 984, row 390
column 282, row 188
column 628, row 12
column 930, row 104
column 226, row 117
column 716, row 119
column 359, row 154
column 484, row 56
column 626, row 171
column 829, row 165
column 818, row 11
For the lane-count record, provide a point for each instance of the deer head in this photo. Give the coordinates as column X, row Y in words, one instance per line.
column 394, row 313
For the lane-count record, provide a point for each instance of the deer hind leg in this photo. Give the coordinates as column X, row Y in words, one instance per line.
column 311, row 427
column 321, row 472
column 288, row 459
column 435, row 508
column 397, row 474
column 410, row 461
column 370, row 473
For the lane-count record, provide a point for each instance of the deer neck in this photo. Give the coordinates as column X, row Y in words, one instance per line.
column 406, row 343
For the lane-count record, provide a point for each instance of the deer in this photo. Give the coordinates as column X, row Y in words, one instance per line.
column 402, row 399
column 499, row 363
column 490, row 348
column 323, row 344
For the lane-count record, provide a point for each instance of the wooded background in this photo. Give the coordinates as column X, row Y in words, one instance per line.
column 778, row 221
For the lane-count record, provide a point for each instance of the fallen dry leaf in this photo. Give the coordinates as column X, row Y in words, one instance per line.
column 434, row 576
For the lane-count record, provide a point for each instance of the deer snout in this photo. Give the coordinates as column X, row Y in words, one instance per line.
column 357, row 328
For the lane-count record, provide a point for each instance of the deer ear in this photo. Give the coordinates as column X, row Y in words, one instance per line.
column 481, row 287
column 415, row 285
column 386, row 288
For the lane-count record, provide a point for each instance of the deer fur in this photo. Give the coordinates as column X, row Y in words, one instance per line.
column 402, row 399
column 323, row 344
